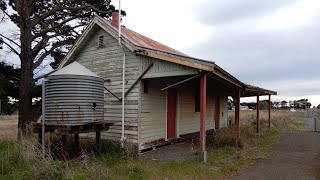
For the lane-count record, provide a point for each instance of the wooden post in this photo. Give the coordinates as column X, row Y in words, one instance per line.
column 40, row 138
column 269, row 113
column 77, row 141
column 64, row 151
column 98, row 141
column 237, row 112
column 258, row 110
column 203, row 107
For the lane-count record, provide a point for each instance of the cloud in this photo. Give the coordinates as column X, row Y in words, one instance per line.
column 282, row 58
column 264, row 55
column 169, row 22
column 216, row 12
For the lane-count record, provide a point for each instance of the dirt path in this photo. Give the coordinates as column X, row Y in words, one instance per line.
column 296, row 156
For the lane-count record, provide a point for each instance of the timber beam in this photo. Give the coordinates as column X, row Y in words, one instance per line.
column 112, row 93
column 139, row 78
column 180, row 82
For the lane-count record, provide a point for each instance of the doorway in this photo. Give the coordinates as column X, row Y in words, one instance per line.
column 171, row 113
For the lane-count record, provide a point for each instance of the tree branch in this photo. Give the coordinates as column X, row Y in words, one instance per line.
column 44, row 41
column 11, row 47
column 42, row 76
column 7, row 15
column 12, row 41
column 46, row 53
column 39, row 46
column 65, row 31
column 43, row 32
column 60, row 7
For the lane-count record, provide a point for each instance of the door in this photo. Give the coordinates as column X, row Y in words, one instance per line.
column 217, row 112
column 171, row 113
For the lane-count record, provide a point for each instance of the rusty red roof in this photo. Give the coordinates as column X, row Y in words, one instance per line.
column 141, row 40
column 250, row 90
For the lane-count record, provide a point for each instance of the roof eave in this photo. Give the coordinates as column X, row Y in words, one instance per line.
column 178, row 59
column 257, row 91
column 225, row 75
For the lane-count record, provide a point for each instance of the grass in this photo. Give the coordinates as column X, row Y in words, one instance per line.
column 8, row 127
column 20, row 159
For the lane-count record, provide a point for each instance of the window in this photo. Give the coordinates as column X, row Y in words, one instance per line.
column 101, row 41
column 197, row 96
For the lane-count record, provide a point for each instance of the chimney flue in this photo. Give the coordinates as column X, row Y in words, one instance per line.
column 115, row 18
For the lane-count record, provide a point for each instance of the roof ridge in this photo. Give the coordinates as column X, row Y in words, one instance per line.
column 181, row 53
column 143, row 40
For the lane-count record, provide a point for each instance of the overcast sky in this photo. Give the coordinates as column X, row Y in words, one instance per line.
column 274, row 45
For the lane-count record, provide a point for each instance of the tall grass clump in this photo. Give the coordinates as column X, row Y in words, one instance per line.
column 227, row 137
column 22, row 159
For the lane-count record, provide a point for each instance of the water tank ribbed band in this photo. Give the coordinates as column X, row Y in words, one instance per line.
column 73, row 99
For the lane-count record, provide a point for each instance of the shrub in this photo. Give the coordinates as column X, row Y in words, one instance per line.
column 226, row 137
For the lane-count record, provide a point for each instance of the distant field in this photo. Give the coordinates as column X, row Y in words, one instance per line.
column 279, row 118
column 9, row 124
column 8, row 127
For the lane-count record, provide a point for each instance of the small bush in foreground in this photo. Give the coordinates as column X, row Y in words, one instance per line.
column 227, row 137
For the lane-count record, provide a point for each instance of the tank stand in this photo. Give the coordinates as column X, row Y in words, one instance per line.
column 98, row 142
column 64, row 130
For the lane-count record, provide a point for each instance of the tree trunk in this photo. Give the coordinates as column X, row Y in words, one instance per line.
column 26, row 78
column 25, row 102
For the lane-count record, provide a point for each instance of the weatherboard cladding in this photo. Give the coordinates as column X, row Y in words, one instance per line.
column 163, row 68
column 153, row 111
column 144, row 121
column 223, row 111
column 106, row 62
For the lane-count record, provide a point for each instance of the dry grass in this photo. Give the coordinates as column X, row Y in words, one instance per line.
column 8, row 127
column 279, row 118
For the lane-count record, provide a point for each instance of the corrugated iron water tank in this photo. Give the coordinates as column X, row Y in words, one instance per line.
column 73, row 96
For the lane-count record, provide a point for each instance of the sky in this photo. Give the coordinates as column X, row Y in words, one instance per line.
column 270, row 45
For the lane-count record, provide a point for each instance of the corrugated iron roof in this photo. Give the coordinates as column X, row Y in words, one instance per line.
column 75, row 69
column 250, row 90
column 141, row 40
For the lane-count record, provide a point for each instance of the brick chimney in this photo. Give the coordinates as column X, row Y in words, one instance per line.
column 115, row 18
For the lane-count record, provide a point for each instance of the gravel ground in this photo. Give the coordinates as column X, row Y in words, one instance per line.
column 297, row 156
column 175, row 152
